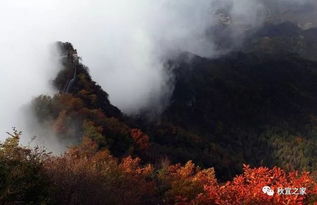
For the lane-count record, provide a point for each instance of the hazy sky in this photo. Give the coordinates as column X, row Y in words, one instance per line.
column 123, row 42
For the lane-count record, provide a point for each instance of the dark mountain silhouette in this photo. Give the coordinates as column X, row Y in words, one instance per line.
column 255, row 106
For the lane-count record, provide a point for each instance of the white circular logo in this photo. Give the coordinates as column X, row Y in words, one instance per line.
column 267, row 190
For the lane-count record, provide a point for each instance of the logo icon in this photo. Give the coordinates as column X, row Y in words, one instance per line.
column 267, row 190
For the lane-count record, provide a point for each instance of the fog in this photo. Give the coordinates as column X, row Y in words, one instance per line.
column 124, row 43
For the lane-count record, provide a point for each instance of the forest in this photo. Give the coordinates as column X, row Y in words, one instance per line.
column 234, row 124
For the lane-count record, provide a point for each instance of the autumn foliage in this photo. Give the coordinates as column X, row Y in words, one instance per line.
column 141, row 140
column 247, row 188
column 87, row 175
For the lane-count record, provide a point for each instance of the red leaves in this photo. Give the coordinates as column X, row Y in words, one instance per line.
column 140, row 139
column 247, row 188
column 87, row 175
column 189, row 184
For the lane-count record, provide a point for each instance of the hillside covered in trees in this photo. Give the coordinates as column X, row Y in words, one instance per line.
column 233, row 124
column 256, row 105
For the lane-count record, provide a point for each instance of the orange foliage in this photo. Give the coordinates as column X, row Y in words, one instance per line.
column 184, row 183
column 85, row 175
column 247, row 188
column 59, row 125
column 140, row 139
column 69, row 102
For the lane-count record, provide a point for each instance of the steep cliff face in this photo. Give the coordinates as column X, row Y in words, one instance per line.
column 75, row 79
column 81, row 108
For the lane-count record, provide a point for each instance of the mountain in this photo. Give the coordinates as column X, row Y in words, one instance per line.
column 285, row 37
column 74, row 79
column 82, row 109
column 253, row 107
column 256, row 106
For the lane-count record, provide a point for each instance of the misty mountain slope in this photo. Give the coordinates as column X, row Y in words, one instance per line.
column 82, row 86
column 235, row 87
column 81, row 108
column 256, row 108
column 302, row 13
column 286, row 37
